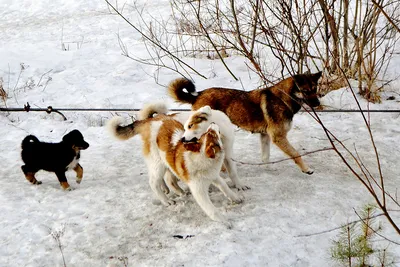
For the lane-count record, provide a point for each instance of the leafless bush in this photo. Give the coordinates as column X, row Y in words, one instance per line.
column 3, row 93
column 350, row 36
column 301, row 36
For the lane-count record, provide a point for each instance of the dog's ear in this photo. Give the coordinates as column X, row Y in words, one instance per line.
column 205, row 110
column 72, row 136
column 212, row 149
column 210, row 152
column 300, row 80
column 192, row 146
column 212, row 142
column 316, row 76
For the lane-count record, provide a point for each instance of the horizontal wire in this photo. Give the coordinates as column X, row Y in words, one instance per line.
column 177, row 109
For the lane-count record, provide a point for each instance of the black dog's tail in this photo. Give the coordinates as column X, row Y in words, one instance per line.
column 183, row 90
column 29, row 140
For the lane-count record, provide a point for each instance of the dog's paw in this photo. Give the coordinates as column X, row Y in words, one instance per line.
column 309, row 171
column 265, row 158
column 240, row 187
column 65, row 186
column 238, row 199
column 169, row 202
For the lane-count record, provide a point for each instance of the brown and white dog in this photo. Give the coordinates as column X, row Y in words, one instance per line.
column 197, row 163
column 267, row 111
column 195, row 124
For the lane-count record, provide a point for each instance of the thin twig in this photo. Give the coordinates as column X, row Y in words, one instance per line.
column 153, row 42
column 41, row 77
column 273, row 162
column 372, row 229
column 337, row 228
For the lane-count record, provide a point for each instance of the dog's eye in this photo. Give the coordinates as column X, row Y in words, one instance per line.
column 198, row 120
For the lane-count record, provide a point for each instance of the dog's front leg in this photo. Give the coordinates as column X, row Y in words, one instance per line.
column 282, row 142
column 63, row 180
column 79, row 173
column 265, row 147
column 231, row 167
column 220, row 183
column 199, row 189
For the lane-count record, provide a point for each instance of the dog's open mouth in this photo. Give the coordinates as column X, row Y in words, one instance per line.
column 193, row 140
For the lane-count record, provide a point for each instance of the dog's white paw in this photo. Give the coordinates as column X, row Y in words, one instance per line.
column 169, row 202
column 309, row 171
column 237, row 199
column 240, row 187
column 265, row 159
column 165, row 189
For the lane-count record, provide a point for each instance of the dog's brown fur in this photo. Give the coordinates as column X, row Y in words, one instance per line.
column 267, row 111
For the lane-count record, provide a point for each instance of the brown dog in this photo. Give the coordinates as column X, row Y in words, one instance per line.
column 267, row 111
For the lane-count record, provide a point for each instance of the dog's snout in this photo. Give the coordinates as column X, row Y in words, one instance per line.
column 313, row 102
column 86, row 145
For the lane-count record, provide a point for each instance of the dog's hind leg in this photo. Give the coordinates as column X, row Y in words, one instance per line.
column 172, row 182
column 265, row 147
column 220, row 183
column 199, row 189
column 30, row 175
column 63, row 180
column 79, row 173
column 231, row 167
column 156, row 180
column 281, row 141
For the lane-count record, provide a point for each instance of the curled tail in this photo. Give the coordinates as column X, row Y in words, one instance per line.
column 29, row 140
column 122, row 132
column 183, row 90
column 150, row 109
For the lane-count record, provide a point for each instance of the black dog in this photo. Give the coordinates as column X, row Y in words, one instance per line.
column 53, row 157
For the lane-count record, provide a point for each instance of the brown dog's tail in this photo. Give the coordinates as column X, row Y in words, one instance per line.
column 123, row 132
column 29, row 140
column 183, row 90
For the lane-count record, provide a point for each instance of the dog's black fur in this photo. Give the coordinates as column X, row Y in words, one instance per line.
column 53, row 157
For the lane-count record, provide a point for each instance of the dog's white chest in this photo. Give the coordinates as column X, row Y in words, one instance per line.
column 73, row 163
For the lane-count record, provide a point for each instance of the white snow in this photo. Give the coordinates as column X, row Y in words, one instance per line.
column 113, row 212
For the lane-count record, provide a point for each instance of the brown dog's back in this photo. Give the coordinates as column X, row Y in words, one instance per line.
column 252, row 110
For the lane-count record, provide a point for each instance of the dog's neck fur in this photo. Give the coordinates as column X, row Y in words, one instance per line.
column 288, row 98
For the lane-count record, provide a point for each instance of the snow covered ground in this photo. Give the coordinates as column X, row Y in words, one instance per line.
column 112, row 213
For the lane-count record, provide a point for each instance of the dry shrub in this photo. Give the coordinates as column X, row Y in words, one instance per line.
column 3, row 93
column 331, row 83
